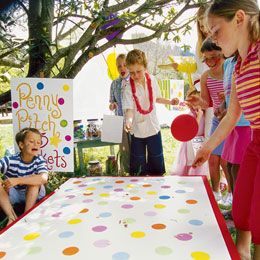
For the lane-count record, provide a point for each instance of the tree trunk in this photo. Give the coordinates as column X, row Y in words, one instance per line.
column 40, row 21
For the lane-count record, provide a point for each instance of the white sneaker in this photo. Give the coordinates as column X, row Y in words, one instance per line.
column 217, row 195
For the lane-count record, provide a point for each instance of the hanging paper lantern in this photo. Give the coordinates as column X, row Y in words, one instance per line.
column 111, row 64
column 112, row 20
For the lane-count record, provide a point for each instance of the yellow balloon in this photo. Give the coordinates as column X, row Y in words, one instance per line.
column 187, row 65
column 112, row 69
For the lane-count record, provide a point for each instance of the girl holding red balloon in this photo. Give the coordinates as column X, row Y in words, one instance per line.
column 141, row 120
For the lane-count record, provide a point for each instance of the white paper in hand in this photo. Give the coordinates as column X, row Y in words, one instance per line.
column 112, row 129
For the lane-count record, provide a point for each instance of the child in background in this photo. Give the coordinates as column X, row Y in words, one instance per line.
column 25, row 174
column 234, row 26
column 116, row 97
column 238, row 140
column 211, row 87
column 187, row 150
column 141, row 119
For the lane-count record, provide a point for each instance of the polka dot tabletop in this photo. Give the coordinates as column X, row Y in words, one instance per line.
column 122, row 218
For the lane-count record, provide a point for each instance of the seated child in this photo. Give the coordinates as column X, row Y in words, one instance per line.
column 24, row 174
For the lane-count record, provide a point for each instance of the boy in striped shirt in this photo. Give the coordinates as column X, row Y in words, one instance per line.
column 24, row 174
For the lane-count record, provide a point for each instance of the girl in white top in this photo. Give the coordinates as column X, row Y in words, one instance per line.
column 141, row 120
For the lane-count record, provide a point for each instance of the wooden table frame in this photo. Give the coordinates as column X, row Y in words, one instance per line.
column 82, row 144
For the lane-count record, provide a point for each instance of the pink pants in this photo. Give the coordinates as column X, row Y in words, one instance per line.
column 246, row 203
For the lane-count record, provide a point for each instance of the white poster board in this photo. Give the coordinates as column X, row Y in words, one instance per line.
column 112, row 129
column 129, row 218
column 46, row 104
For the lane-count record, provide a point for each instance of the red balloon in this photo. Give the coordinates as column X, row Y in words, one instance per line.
column 184, row 127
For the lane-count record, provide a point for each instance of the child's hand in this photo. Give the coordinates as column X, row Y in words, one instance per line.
column 201, row 156
column 175, row 101
column 221, row 96
column 9, row 183
column 194, row 102
column 113, row 106
column 128, row 125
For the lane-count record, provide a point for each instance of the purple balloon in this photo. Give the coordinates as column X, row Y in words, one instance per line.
column 109, row 25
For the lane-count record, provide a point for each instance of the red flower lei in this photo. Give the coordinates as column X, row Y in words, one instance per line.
column 150, row 92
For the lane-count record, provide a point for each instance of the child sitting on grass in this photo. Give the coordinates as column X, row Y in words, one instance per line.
column 24, row 174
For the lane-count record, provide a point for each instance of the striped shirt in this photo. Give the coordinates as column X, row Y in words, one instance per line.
column 247, row 79
column 116, row 93
column 215, row 86
column 14, row 167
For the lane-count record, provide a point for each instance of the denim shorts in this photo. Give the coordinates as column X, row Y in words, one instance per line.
column 19, row 196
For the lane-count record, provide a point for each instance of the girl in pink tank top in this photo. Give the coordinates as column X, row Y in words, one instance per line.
column 212, row 94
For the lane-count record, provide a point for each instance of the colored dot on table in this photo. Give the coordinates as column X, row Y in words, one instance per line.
column 164, row 197
column 195, row 222
column 66, row 150
column 184, row 237
column 88, row 193
column 99, row 228
column 82, row 185
column 34, row 250
column 147, row 185
column 130, row 186
column 102, row 203
column 66, row 87
column 87, row 200
column 127, row 206
column 104, row 195
column 105, row 214
column 120, row 256
column 128, row 220
column 76, row 182
column 163, row 250
column 70, row 196
column 84, row 211
column 15, row 105
column 74, row 221
column 150, row 213
column 135, row 198
column 183, row 211
column 102, row 243
column 31, row 236
column 61, row 101
column 191, row 201
column 134, row 180
column 119, row 181
column 180, row 191
column 138, row 234
column 2, row 254
column 90, row 188
column 63, row 123
column 40, row 86
column 159, row 206
column 158, row 226
column 66, row 234
column 108, row 187
column 118, row 190
column 68, row 138
column 165, row 186
column 151, row 193
column 70, row 250
column 181, row 182
column 200, row 255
